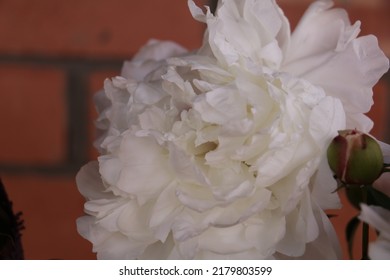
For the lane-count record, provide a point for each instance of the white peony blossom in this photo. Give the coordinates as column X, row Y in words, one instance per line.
column 220, row 153
column 379, row 218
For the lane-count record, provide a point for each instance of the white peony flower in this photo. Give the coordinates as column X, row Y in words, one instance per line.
column 379, row 218
column 220, row 153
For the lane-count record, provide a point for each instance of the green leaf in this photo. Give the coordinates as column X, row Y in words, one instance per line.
column 378, row 198
column 350, row 233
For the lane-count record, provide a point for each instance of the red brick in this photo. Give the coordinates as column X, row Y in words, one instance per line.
column 379, row 110
column 348, row 3
column 120, row 27
column 33, row 115
column 93, row 27
column 50, row 208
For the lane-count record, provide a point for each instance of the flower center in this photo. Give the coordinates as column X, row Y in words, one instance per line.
column 204, row 148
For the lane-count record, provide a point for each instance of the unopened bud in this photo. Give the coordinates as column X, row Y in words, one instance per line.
column 355, row 158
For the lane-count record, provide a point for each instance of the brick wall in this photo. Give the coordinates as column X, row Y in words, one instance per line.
column 53, row 56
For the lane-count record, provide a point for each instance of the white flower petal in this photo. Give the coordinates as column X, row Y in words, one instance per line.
column 159, row 250
column 265, row 233
column 379, row 218
column 187, row 168
column 144, row 170
column 324, row 187
column 325, row 51
column 353, row 73
column 225, row 240
column 108, row 245
column 380, row 250
column 150, row 58
column 164, row 211
column 317, row 32
column 89, row 182
column 196, row 12
column 326, row 119
column 221, row 106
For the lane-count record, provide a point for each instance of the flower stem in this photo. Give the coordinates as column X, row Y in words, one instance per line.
column 365, row 229
column 365, row 242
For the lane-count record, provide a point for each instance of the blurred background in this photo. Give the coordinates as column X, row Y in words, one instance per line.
column 54, row 55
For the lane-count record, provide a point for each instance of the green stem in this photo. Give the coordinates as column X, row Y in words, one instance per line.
column 365, row 229
column 365, row 240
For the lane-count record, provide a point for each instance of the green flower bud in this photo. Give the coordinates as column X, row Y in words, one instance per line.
column 355, row 158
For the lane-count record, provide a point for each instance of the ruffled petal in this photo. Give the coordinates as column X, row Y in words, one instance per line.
column 379, row 218
column 141, row 167
column 254, row 30
column 89, row 182
column 150, row 58
column 325, row 51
